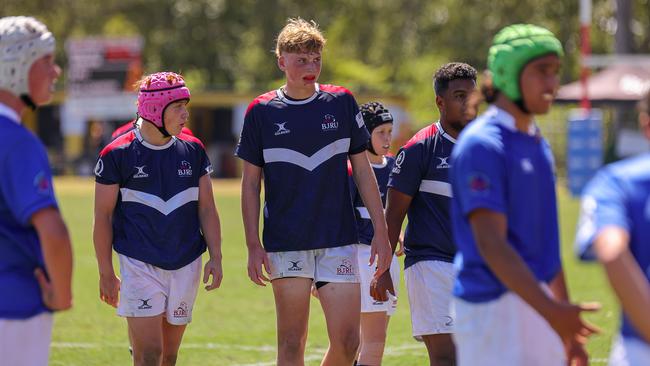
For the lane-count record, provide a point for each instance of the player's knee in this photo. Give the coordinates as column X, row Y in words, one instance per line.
column 292, row 345
column 348, row 342
column 148, row 356
column 371, row 353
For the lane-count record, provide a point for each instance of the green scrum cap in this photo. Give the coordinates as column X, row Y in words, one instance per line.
column 514, row 47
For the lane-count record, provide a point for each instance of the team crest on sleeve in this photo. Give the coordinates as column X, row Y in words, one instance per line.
column 329, row 123
column 41, row 183
column 359, row 119
column 397, row 168
column 209, row 169
column 185, row 169
column 479, row 183
column 99, row 167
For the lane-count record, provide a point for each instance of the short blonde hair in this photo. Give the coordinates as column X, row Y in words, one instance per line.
column 299, row 35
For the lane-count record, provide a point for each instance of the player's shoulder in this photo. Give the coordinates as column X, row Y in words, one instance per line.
column 262, row 100
column 481, row 134
column 335, row 90
column 422, row 137
column 121, row 130
column 191, row 140
column 121, row 142
column 18, row 139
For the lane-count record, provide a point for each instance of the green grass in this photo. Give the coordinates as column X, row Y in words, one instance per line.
column 235, row 325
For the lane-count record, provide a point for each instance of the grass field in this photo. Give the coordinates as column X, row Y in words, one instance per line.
column 235, row 325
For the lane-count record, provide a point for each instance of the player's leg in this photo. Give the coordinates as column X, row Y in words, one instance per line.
column 429, row 286
column 26, row 342
column 183, row 285
column 341, row 305
column 374, row 314
column 373, row 338
column 292, row 313
column 143, row 302
column 341, row 302
column 292, row 276
column 147, row 339
column 172, row 337
column 441, row 349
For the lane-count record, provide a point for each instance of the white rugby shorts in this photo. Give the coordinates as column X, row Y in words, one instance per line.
column 148, row 290
column 504, row 332
column 429, row 285
column 338, row 265
column 26, row 342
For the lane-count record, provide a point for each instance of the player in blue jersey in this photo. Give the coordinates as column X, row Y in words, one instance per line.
column 374, row 314
column 511, row 301
column 614, row 227
column 154, row 206
column 35, row 250
column 299, row 137
column 419, row 187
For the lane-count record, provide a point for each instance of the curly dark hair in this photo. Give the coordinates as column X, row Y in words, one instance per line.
column 375, row 114
column 449, row 72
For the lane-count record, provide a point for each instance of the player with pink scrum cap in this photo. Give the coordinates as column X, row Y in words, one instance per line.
column 154, row 206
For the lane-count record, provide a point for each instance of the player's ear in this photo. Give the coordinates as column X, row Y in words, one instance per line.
column 282, row 63
column 440, row 103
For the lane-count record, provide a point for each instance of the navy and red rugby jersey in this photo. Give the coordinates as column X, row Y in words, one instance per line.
column 421, row 171
column 303, row 147
column 156, row 217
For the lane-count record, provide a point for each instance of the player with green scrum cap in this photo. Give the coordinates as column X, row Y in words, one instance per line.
column 511, row 302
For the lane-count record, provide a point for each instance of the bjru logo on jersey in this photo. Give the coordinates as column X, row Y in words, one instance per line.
column 329, row 123
column 345, row 269
column 181, row 311
column 185, row 169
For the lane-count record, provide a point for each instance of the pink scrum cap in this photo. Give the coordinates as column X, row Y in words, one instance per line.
column 157, row 91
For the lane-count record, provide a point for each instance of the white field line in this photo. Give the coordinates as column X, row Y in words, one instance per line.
column 313, row 354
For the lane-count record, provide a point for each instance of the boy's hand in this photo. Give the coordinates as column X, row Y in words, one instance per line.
column 213, row 268
column 381, row 250
column 565, row 319
column 379, row 288
column 257, row 258
column 50, row 298
column 109, row 289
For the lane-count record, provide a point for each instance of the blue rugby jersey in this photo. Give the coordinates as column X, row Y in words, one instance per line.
column 25, row 188
column 364, row 224
column 156, row 217
column 619, row 195
column 302, row 147
column 421, row 171
column 496, row 167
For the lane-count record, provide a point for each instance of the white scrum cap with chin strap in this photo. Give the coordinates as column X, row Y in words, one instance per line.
column 23, row 40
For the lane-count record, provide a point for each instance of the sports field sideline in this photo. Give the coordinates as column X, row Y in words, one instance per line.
column 235, row 325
